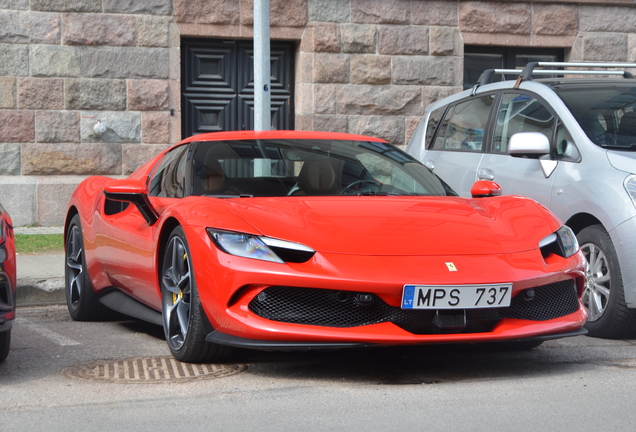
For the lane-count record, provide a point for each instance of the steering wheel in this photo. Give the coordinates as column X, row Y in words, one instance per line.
column 374, row 186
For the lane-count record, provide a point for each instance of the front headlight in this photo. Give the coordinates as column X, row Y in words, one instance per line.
column 260, row 247
column 630, row 187
column 562, row 242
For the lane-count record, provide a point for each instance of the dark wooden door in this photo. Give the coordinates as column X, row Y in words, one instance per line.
column 217, row 85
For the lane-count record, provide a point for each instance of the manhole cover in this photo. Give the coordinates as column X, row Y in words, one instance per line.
column 150, row 369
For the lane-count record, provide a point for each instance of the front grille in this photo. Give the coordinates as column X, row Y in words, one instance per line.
column 550, row 301
column 332, row 308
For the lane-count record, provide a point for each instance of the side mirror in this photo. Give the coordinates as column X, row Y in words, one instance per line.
column 133, row 191
column 529, row 144
column 485, row 188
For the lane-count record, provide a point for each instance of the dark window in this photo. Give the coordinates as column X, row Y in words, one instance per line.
column 517, row 113
column 168, row 180
column 465, row 125
column 479, row 58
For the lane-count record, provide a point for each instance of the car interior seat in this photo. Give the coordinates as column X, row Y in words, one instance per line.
column 627, row 129
column 316, row 177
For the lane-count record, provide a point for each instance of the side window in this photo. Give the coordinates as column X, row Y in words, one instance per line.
column 464, row 125
column 433, row 121
column 168, row 180
column 564, row 148
column 520, row 113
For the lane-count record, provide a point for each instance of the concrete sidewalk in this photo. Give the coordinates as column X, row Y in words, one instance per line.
column 40, row 277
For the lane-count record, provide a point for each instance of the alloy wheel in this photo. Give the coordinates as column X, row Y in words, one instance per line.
column 177, row 285
column 597, row 287
column 74, row 258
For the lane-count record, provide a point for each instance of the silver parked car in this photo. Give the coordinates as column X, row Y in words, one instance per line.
column 567, row 142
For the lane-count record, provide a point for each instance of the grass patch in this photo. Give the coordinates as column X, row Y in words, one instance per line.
column 39, row 243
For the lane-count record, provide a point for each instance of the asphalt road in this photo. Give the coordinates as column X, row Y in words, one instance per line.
column 50, row 381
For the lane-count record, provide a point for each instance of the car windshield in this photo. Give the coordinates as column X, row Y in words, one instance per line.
column 607, row 113
column 297, row 167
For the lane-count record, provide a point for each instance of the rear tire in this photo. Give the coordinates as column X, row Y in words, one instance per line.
column 81, row 298
column 609, row 316
column 181, row 307
column 5, row 343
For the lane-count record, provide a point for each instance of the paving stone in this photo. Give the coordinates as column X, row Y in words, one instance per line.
column 331, row 68
column 282, row 13
column 445, row 41
column 325, row 99
column 555, row 19
column 331, row 123
column 426, row 71
column 53, row 194
column 17, row 195
column 605, row 47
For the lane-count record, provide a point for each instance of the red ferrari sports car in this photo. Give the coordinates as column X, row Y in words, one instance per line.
column 303, row 240
column 7, row 282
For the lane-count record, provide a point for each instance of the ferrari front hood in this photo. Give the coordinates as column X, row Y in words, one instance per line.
column 401, row 225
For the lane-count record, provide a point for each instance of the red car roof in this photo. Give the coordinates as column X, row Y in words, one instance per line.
column 278, row 134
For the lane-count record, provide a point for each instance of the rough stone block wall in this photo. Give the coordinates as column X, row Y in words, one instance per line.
column 66, row 66
column 362, row 66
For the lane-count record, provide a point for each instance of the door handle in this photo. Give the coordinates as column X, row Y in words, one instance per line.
column 429, row 164
column 485, row 174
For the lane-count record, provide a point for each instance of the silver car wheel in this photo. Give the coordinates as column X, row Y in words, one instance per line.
column 597, row 288
column 74, row 273
column 176, row 287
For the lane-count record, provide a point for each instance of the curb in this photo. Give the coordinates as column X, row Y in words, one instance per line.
column 40, row 292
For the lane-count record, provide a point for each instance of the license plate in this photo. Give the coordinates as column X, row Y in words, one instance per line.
column 456, row 296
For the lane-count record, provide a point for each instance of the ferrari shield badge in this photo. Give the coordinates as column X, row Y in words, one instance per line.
column 451, row 266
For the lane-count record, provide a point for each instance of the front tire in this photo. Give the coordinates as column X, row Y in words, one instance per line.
column 81, row 298
column 609, row 316
column 181, row 307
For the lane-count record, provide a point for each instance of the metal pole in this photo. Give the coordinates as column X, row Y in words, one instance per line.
column 262, row 94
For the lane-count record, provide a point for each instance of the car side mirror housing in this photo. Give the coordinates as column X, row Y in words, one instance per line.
column 531, row 145
column 484, row 189
column 132, row 191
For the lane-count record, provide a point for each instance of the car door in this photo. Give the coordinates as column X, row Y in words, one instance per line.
column 456, row 148
column 522, row 112
column 126, row 244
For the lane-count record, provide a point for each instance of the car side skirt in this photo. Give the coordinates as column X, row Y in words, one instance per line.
column 120, row 302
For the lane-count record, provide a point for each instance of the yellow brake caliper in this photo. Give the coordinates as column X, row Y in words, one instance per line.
column 176, row 296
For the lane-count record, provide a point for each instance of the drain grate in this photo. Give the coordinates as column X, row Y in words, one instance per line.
column 150, row 369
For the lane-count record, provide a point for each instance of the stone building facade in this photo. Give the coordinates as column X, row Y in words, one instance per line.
column 94, row 86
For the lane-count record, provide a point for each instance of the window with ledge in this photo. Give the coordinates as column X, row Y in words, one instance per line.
column 479, row 58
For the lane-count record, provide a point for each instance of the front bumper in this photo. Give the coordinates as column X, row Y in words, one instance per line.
column 227, row 294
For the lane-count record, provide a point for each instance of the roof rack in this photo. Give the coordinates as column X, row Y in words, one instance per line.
column 526, row 73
